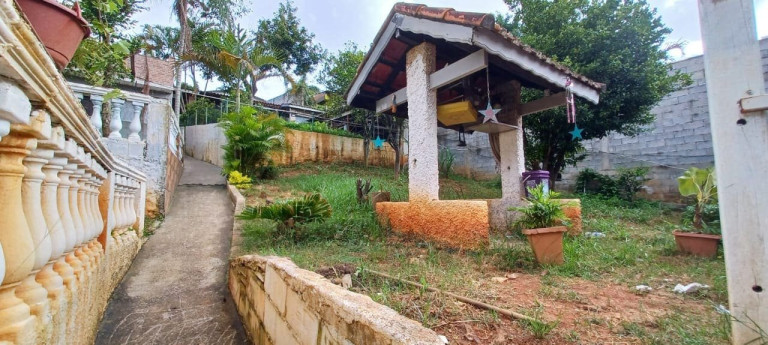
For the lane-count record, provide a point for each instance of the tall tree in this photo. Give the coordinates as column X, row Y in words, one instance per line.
column 616, row 42
column 284, row 36
column 336, row 76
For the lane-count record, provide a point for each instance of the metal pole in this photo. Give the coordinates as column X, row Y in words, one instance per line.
column 734, row 77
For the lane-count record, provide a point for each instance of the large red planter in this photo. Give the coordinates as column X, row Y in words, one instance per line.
column 697, row 244
column 61, row 29
column 547, row 244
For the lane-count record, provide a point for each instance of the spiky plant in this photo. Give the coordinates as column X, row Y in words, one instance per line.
column 543, row 210
column 251, row 139
column 310, row 208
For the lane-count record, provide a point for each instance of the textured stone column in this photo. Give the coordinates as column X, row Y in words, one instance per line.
column 96, row 113
column 136, row 122
column 423, row 173
column 116, row 123
column 512, row 163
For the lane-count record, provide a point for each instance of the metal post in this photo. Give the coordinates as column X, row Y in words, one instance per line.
column 734, row 76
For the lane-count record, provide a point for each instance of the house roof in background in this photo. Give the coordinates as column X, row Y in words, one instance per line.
column 161, row 71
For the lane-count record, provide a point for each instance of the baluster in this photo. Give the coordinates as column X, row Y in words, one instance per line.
column 132, row 204
column 30, row 291
column 62, row 197
column 49, row 192
column 116, row 123
column 135, row 126
column 96, row 113
column 15, row 237
column 98, row 180
column 116, row 204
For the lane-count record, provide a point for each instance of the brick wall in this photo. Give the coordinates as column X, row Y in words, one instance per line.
column 280, row 303
column 160, row 71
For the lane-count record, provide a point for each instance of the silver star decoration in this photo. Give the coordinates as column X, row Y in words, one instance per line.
column 490, row 114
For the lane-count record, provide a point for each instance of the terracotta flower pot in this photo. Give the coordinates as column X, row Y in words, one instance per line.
column 697, row 244
column 547, row 244
column 60, row 29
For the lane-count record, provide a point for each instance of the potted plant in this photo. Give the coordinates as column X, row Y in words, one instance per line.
column 60, row 28
column 543, row 222
column 702, row 239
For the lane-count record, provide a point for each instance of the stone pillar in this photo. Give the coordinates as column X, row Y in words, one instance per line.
column 116, row 123
column 96, row 113
column 423, row 176
column 62, row 200
column 512, row 162
column 136, row 122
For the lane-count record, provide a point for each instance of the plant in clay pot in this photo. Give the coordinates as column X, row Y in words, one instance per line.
column 60, row 28
column 543, row 222
column 701, row 238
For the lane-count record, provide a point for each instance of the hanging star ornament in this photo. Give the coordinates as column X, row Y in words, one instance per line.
column 378, row 142
column 490, row 114
column 576, row 132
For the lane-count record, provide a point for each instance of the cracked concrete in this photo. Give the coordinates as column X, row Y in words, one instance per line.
column 176, row 290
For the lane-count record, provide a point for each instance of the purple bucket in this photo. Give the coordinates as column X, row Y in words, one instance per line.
column 534, row 178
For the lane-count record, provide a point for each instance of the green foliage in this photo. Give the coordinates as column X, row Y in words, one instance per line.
column 200, row 111
column 100, row 58
column 710, row 218
column 445, row 160
column 268, row 171
column 702, row 185
column 252, row 136
column 615, row 42
column 537, row 326
column 320, row 127
column 543, row 210
column 624, row 185
column 311, row 208
column 239, row 180
column 336, row 76
column 284, row 35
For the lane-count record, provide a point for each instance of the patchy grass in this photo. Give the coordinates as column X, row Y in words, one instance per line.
column 589, row 298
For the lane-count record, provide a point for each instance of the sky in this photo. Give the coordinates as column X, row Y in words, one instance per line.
column 335, row 22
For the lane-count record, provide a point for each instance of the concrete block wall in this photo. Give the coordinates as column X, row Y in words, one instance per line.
column 204, row 142
column 679, row 138
column 280, row 303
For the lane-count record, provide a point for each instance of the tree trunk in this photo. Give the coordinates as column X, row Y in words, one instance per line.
column 366, row 150
column 106, row 118
column 177, row 92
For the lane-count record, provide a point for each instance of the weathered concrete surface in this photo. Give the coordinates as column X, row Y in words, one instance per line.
column 422, row 124
column 176, row 290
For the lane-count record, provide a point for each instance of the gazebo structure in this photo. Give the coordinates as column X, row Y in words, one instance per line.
column 436, row 66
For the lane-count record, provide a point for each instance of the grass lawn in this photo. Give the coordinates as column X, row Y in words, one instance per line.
column 590, row 299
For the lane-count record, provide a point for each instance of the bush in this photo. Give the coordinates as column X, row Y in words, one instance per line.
column 239, row 180
column 291, row 215
column 199, row 111
column 624, row 185
column 269, row 171
column 542, row 212
column 320, row 127
column 251, row 138
column 445, row 160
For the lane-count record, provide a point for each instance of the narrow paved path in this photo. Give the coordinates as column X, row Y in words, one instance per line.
column 176, row 290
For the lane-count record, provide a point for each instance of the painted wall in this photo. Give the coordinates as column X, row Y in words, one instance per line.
column 204, row 142
column 280, row 303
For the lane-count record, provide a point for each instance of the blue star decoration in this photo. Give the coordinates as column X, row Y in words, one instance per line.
column 378, row 142
column 576, row 132
column 490, row 114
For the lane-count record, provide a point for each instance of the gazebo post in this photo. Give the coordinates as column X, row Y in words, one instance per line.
column 512, row 163
column 423, row 175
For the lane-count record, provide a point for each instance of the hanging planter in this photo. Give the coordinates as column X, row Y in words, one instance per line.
column 61, row 29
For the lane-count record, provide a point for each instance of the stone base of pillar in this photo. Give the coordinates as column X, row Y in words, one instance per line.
column 454, row 223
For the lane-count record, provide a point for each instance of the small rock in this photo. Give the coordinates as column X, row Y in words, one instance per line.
column 721, row 309
column 512, row 276
column 643, row 288
column 690, row 288
column 443, row 339
column 594, row 234
column 346, row 281
column 499, row 279
column 544, row 272
column 263, row 195
column 336, row 281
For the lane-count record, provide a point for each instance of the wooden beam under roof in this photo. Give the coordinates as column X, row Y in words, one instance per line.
column 466, row 66
column 544, row 103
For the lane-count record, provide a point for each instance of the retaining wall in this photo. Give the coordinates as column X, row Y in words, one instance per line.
column 204, row 142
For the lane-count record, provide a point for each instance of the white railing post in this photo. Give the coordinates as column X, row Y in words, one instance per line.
column 116, row 124
column 97, row 101
column 136, row 122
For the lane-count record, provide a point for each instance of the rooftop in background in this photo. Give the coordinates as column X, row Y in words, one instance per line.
column 456, row 36
column 158, row 71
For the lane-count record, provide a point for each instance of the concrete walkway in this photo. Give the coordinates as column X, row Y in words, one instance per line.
column 176, row 290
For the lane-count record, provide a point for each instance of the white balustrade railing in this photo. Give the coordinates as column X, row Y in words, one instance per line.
column 118, row 106
column 63, row 196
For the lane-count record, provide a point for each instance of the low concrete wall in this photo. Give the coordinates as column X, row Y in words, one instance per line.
column 455, row 223
column 174, row 169
column 204, row 143
column 282, row 304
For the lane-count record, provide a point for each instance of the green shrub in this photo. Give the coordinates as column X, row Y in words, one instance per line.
column 200, row 111
column 320, row 127
column 542, row 212
column 268, row 171
column 239, row 180
column 251, row 138
column 710, row 217
column 445, row 160
column 624, row 185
